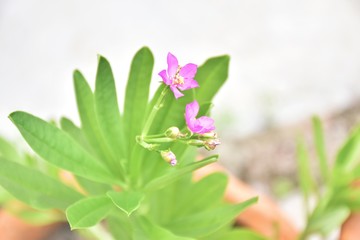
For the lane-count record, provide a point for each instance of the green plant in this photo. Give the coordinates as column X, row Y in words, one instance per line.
column 118, row 159
column 36, row 217
column 335, row 194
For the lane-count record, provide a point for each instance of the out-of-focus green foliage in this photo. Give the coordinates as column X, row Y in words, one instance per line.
column 334, row 193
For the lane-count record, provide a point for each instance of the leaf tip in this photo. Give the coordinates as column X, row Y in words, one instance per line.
column 12, row 116
column 101, row 59
column 76, row 74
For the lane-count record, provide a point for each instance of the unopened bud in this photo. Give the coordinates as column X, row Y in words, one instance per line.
column 211, row 144
column 172, row 132
column 209, row 135
column 169, row 157
column 196, row 142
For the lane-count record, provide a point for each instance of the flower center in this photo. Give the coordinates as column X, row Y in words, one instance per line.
column 178, row 79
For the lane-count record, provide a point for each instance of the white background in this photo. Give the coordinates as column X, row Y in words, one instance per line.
column 289, row 59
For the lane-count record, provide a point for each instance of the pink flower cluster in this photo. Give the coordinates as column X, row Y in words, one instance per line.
column 182, row 78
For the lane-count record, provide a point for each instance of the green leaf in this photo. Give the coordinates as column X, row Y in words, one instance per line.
column 137, row 94
column 89, row 122
column 239, row 234
column 349, row 154
column 128, row 202
column 306, row 180
column 35, row 188
column 88, row 212
column 58, row 148
column 204, row 223
column 8, row 151
column 94, row 188
column 328, row 220
column 199, row 194
column 107, row 109
column 320, row 148
column 75, row 132
column 90, row 186
column 174, row 175
column 38, row 217
column 145, row 229
column 211, row 76
column 119, row 225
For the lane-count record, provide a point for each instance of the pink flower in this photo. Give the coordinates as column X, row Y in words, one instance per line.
column 178, row 77
column 202, row 124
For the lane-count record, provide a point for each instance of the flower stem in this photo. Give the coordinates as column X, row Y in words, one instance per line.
column 153, row 112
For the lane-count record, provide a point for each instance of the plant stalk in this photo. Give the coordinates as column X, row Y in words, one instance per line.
column 153, row 112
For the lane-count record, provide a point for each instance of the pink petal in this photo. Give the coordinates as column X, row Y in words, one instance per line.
column 165, row 78
column 206, row 123
column 176, row 92
column 188, row 83
column 188, row 71
column 191, row 122
column 191, row 110
column 172, row 64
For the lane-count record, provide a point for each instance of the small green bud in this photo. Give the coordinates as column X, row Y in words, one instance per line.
column 172, row 132
column 211, row 135
column 169, row 157
column 196, row 142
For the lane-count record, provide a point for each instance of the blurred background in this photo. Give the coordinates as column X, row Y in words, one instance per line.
column 289, row 60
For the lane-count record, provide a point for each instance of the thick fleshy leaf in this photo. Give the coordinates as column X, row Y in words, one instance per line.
column 35, row 188
column 145, row 229
column 175, row 174
column 128, row 202
column 204, row 223
column 58, row 148
column 137, row 94
column 88, row 212
column 107, row 109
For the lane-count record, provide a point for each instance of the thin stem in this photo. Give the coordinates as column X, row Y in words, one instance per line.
column 159, row 140
column 153, row 112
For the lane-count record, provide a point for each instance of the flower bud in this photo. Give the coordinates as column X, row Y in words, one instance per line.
column 209, row 135
column 211, row 144
column 169, row 157
column 172, row 132
column 196, row 142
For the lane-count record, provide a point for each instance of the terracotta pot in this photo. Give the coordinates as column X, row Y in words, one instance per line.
column 350, row 230
column 13, row 228
column 265, row 217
